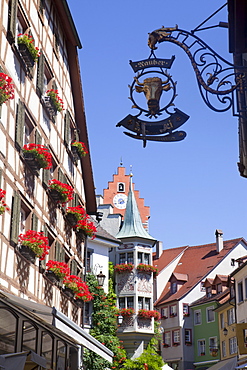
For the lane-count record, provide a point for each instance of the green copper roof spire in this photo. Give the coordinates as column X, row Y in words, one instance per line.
column 132, row 225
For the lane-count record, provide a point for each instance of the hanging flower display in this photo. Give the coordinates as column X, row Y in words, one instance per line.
column 74, row 214
column 123, row 267
column 127, row 312
column 61, row 269
column 64, row 192
column 148, row 314
column 79, row 287
column 79, row 148
column 56, row 100
column 36, row 242
column 6, row 88
column 28, row 42
column 3, row 205
column 39, row 153
column 87, row 227
column 147, row 268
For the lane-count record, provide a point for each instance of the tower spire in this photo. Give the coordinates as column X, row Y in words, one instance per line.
column 132, row 225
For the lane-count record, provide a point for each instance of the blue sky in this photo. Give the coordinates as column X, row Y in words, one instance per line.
column 193, row 187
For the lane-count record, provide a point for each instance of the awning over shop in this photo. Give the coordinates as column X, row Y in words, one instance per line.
column 53, row 318
column 13, row 361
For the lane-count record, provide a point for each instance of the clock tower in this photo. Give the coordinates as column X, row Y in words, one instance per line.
column 117, row 192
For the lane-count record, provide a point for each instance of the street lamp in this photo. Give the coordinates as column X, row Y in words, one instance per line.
column 101, row 278
column 120, row 319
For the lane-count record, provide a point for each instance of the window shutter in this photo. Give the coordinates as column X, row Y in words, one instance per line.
column 34, row 222
column 12, row 21
column 20, row 120
column 40, row 74
column 73, row 267
column 15, row 218
column 46, row 176
column 38, row 138
column 67, row 131
column 75, row 201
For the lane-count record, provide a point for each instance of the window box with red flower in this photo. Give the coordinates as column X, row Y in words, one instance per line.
column 74, row 214
column 148, row 314
column 3, row 205
column 147, row 268
column 126, row 312
column 74, row 286
column 124, row 267
column 53, row 102
column 175, row 344
column 37, row 156
column 78, row 149
column 56, row 271
column 6, row 88
column 166, row 345
column 86, row 227
column 60, row 192
column 83, row 294
column 33, row 244
column 28, row 51
column 188, row 343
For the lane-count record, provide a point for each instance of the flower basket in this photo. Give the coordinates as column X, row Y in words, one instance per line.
column 6, row 88
column 148, row 314
column 36, row 242
column 126, row 312
column 63, row 192
column 53, row 102
column 60, row 269
column 124, row 267
column 3, row 205
column 78, row 287
column 28, row 51
column 78, row 149
column 37, row 156
column 52, row 277
column 27, row 253
column 147, row 268
column 79, row 302
column 87, row 227
column 68, row 292
column 74, row 214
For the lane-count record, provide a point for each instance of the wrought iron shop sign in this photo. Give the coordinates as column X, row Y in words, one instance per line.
column 153, row 84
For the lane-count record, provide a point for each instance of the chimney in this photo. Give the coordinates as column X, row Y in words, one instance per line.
column 219, row 240
column 159, row 249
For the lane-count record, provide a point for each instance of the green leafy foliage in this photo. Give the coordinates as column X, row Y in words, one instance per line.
column 104, row 325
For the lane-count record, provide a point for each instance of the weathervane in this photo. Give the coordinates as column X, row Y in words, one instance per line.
column 154, row 84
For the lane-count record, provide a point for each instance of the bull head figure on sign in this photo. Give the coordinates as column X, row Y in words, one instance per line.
column 152, row 88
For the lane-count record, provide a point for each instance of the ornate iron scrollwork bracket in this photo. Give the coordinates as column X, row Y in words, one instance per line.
column 213, row 72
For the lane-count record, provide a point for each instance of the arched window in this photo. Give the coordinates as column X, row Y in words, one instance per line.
column 121, row 187
column 47, row 348
column 8, row 331
column 29, row 336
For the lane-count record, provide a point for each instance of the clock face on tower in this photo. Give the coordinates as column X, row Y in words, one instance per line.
column 120, row 201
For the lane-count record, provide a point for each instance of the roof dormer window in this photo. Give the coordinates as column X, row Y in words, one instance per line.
column 174, row 287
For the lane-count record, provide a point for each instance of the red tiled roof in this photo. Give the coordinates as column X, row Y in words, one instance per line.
column 196, row 262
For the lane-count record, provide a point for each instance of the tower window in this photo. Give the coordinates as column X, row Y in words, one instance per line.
column 121, row 187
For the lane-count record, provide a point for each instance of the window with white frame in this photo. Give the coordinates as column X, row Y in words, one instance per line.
column 126, row 302
column 173, row 310
column 144, row 303
column 121, row 302
column 167, row 338
column 209, row 291
column 164, row 312
column 233, row 345
column 147, row 303
column 203, row 289
column 240, row 292
column 130, row 302
column 185, row 309
column 143, row 258
column 230, row 316
column 213, row 344
column 223, row 348
column 140, row 303
column 210, row 314
column 188, row 336
column 121, row 257
column 201, row 345
column 197, row 317
column 176, row 337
